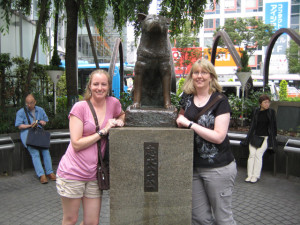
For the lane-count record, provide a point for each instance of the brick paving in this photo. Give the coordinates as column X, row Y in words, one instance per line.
column 273, row 200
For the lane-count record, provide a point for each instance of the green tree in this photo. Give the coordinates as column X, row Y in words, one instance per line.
column 184, row 45
column 293, row 56
column 123, row 10
column 247, row 33
column 5, row 64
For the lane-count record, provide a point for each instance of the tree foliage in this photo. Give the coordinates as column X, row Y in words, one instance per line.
column 123, row 11
column 247, row 33
column 293, row 56
column 8, row 6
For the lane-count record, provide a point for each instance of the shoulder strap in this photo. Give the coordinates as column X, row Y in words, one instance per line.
column 94, row 114
column 100, row 161
column 26, row 113
column 217, row 98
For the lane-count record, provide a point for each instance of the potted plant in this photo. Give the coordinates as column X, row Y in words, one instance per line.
column 244, row 62
column 54, row 70
column 244, row 72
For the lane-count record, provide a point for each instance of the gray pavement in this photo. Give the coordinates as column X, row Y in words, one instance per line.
column 273, row 200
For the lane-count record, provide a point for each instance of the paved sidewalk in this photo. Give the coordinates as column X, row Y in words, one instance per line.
column 273, row 200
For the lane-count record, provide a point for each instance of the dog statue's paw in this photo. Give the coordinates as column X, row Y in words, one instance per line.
column 136, row 105
column 170, row 107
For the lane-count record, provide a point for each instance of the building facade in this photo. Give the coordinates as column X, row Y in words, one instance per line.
column 103, row 44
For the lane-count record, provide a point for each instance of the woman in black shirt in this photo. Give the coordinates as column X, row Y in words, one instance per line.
column 214, row 165
column 263, row 126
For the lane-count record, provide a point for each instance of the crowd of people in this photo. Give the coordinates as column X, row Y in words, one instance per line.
column 203, row 108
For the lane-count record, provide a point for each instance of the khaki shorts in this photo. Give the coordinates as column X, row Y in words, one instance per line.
column 77, row 189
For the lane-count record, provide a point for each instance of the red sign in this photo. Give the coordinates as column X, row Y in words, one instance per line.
column 184, row 58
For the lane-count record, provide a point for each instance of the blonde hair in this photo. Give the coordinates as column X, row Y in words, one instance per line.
column 214, row 86
column 88, row 93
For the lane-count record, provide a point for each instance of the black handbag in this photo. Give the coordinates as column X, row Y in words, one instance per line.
column 37, row 137
column 256, row 141
column 102, row 168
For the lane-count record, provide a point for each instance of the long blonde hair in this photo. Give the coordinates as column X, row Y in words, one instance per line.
column 88, row 93
column 214, row 86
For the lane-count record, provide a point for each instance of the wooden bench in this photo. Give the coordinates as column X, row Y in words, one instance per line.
column 291, row 146
column 56, row 137
column 235, row 140
column 7, row 144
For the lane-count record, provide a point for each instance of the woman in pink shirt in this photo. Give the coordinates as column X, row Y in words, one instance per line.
column 76, row 173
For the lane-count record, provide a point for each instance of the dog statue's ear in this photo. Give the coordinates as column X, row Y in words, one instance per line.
column 141, row 17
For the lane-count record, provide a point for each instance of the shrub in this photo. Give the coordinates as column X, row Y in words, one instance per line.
column 126, row 100
column 250, row 104
column 283, row 90
column 175, row 100
column 7, row 121
column 180, row 84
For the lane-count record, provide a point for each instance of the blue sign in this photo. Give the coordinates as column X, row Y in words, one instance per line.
column 277, row 14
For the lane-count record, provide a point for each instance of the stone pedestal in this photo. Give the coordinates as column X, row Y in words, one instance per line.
column 150, row 117
column 151, row 176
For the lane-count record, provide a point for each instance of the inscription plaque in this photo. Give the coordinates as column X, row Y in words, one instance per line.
column 150, row 167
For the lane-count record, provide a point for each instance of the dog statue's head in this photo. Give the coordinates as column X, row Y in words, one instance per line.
column 154, row 23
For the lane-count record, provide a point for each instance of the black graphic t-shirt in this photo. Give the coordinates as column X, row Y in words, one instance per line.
column 207, row 154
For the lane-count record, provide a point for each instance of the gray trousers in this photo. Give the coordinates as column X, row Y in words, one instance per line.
column 212, row 195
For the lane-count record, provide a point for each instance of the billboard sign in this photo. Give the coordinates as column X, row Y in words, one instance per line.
column 276, row 13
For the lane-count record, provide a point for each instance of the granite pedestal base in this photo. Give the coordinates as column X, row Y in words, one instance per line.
column 150, row 117
column 151, row 176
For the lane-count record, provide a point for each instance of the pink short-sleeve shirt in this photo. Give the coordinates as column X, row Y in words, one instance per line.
column 82, row 165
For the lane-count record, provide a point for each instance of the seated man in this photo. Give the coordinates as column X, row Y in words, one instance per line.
column 35, row 114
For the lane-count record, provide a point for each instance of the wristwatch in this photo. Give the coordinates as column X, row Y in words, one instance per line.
column 101, row 134
column 190, row 125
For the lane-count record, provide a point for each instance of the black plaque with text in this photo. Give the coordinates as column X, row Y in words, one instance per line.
column 150, row 167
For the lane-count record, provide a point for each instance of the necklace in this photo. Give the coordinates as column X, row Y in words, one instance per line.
column 201, row 102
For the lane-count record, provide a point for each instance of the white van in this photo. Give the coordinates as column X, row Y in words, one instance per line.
column 235, row 87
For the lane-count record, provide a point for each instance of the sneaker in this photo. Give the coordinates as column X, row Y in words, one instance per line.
column 248, row 179
column 43, row 179
column 51, row 176
column 253, row 180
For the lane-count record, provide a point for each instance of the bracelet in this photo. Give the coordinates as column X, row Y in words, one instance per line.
column 190, row 125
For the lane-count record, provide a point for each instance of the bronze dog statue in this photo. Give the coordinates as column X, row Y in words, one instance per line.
column 152, row 81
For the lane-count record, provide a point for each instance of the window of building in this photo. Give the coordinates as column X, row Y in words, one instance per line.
column 212, row 8
column 35, row 15
column 295, row 14
column 295, row 19
column 295, row 9
column 210, row 25
column 254, row 5
column 252, row 61
column 232, row 6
